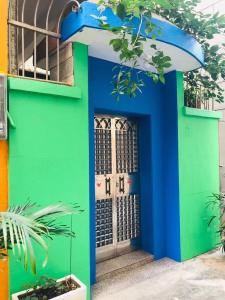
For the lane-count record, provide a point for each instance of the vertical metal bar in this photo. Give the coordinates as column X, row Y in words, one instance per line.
column 9, row 39
column 35, row 54
column 10, row 47
column 35, row 39
column 23, row 45
column 58, row 60
column 23, row 54
column 17, row 38
column 47, row 39
column 114, row 179
column 70, row 3
column 46, row 57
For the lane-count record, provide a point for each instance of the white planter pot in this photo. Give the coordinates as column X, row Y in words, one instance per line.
column 78, row 294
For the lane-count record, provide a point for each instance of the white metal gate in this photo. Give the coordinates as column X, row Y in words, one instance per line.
column 116, row 186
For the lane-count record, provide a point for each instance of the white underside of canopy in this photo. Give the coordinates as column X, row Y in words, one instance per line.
column 98, row 42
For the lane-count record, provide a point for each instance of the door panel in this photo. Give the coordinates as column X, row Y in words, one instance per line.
column 116, row 186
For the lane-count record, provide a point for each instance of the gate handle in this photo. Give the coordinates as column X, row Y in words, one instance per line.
column 121, row 185
column 108, row 186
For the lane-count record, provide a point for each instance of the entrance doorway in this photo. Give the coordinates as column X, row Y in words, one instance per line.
column 117, row 191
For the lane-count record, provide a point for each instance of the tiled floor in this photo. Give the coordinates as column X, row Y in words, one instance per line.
column 202, row 278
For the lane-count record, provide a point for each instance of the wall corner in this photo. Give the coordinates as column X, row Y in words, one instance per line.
column 172, row 99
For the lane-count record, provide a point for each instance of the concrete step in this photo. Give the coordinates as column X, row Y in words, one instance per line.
column 123, row 263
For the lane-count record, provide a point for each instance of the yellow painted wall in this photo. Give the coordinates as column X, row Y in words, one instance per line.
column 3, row 144
column 3, row 37
column 3, row 206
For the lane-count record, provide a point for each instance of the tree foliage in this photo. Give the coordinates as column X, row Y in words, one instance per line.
column 129, row 43
column 201, row 84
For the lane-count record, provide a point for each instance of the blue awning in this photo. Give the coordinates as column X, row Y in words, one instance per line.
column 186, row 53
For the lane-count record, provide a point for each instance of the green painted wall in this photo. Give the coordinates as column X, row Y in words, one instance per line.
column 198, row 176
column 49, row 162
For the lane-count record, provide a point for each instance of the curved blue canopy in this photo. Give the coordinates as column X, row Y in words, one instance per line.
column 186, row 53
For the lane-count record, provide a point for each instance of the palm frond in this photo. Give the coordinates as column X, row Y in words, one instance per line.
column 19, row 228
column 56, row 209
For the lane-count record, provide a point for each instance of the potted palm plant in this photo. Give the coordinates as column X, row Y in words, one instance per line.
column 20, row 226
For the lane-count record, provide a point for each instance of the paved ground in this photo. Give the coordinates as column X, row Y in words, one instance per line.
column 201, row 278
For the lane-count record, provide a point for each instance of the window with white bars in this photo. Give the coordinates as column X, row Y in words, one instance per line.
column 35, row 47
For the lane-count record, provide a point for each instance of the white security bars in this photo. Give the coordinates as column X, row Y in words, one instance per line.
column 34, row 39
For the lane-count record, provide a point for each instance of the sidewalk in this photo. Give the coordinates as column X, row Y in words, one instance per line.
column 201, row 278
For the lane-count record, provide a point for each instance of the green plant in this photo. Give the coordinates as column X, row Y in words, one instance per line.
column 21, row 226
column 200, row 85
column 47, row 288
column 217, row 201
column 129, row 44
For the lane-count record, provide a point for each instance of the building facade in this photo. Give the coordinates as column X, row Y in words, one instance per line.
column 140, row 169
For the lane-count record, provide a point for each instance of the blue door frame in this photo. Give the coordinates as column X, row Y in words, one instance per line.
column 156, row 110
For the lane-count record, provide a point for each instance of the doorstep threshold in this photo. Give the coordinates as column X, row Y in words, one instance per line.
column 123, row 263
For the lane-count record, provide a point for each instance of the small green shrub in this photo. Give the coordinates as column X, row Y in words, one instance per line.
column 47, row 288
column 218, row 201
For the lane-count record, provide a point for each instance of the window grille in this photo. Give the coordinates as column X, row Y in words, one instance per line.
column 35, row 47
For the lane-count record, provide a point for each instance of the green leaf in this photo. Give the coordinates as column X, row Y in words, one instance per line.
column 153, row 47
column 162, row 78
column 121, row 11
column 116, row 44
column 19, row 227
column 165, row 4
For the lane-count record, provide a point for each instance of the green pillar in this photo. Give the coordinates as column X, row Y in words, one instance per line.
column 198, row 176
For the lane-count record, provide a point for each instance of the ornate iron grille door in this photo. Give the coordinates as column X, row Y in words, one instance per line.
column 116, row 186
